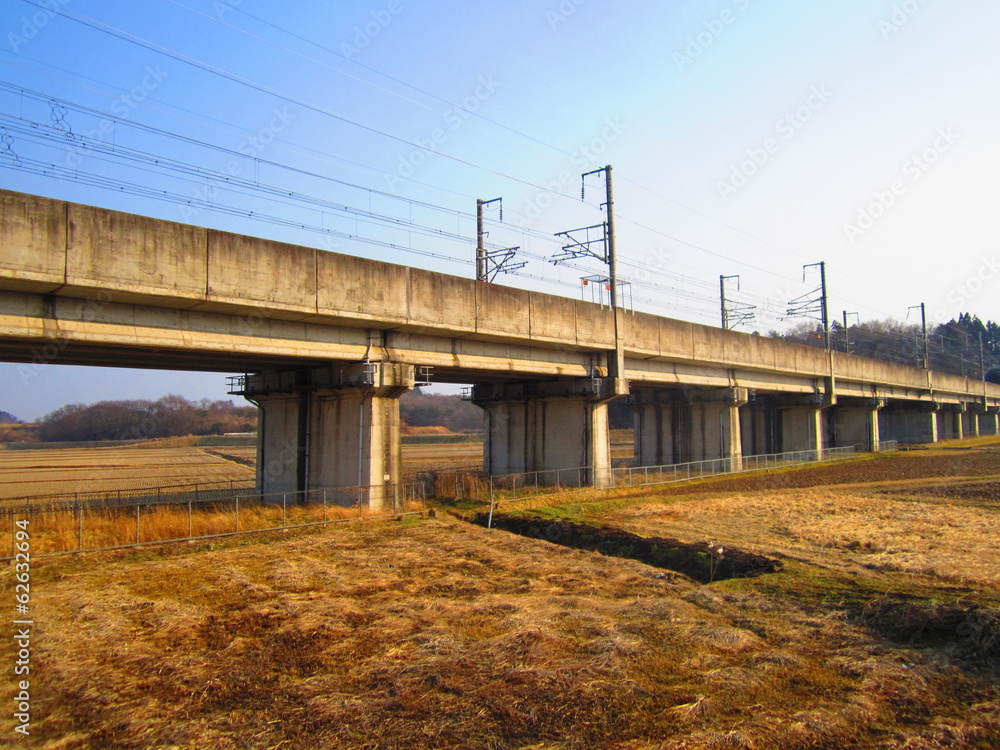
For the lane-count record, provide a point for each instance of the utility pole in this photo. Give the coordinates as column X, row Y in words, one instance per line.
column 618, row 371
column 722, row 298
column 807, row 306
column 578, row 248
column 923, row 328
column 826, row 319
column 739, row 312
column 481, row 239
column 982, row 361
column 492, row 261
column 847, row 335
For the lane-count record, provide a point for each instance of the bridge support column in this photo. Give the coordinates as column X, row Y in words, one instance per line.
column 331, row 427
column 989, row 421
column 971, row 417
column 959, row 412
column 355, row 441
column 680, row 426
column 280, row 449
column 803, row 426
column 856, row 422
column 558, row 428
column 759, row 429
column 910, row 422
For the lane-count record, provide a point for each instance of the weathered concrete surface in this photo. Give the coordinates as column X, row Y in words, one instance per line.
column 690, row 425
column 134, row 257
column 341, row 431
column 909, row 423
column 33, row 242
column 556, row 436
column 103, row 287
column 857, row 423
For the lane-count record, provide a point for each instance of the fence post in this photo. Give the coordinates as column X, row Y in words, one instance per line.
column 324, row 505
column 489, row 522
column 79, row 510
column 137, row 523
column 237, row 513
column 284, row 508
column 190, row 522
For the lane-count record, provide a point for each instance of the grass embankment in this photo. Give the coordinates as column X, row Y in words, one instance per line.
column 879, row 631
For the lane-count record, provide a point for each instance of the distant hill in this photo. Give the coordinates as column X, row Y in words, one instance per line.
column 7, row 418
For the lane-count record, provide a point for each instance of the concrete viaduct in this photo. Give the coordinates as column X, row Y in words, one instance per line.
column 331, row 341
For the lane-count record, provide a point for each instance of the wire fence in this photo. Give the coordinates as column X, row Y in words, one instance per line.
column 58, row 527
column 181, row 492
column 85, row 522
column 478, row 486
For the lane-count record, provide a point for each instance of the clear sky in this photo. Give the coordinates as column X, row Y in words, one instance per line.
column 746, row 137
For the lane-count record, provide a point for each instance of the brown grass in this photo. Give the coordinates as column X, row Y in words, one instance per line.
column 439, row 634
column 59, row 531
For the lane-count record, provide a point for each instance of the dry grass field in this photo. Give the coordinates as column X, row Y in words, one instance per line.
column 68, row 470
column 880, row 628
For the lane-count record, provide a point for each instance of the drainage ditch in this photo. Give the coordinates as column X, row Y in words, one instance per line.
column 694, row 560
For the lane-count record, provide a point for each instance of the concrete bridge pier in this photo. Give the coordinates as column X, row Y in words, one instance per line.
column 760, row 426
column 989, row 421
column 803, row 424
column 553, row 427
column 910, row 422
column 693, row 424
column 951, row 422
column 970, row 419
column 331, row 427
column 856, row 422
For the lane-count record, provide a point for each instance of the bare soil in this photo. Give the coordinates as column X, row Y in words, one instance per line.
column 70, row 470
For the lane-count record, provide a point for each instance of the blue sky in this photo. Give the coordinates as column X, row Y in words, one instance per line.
column 747, row 137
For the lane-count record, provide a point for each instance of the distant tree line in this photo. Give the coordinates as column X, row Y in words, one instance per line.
column 140, row 419
column 952, row 347
column 173, row 416
column 419, row 409
column 7, row 418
